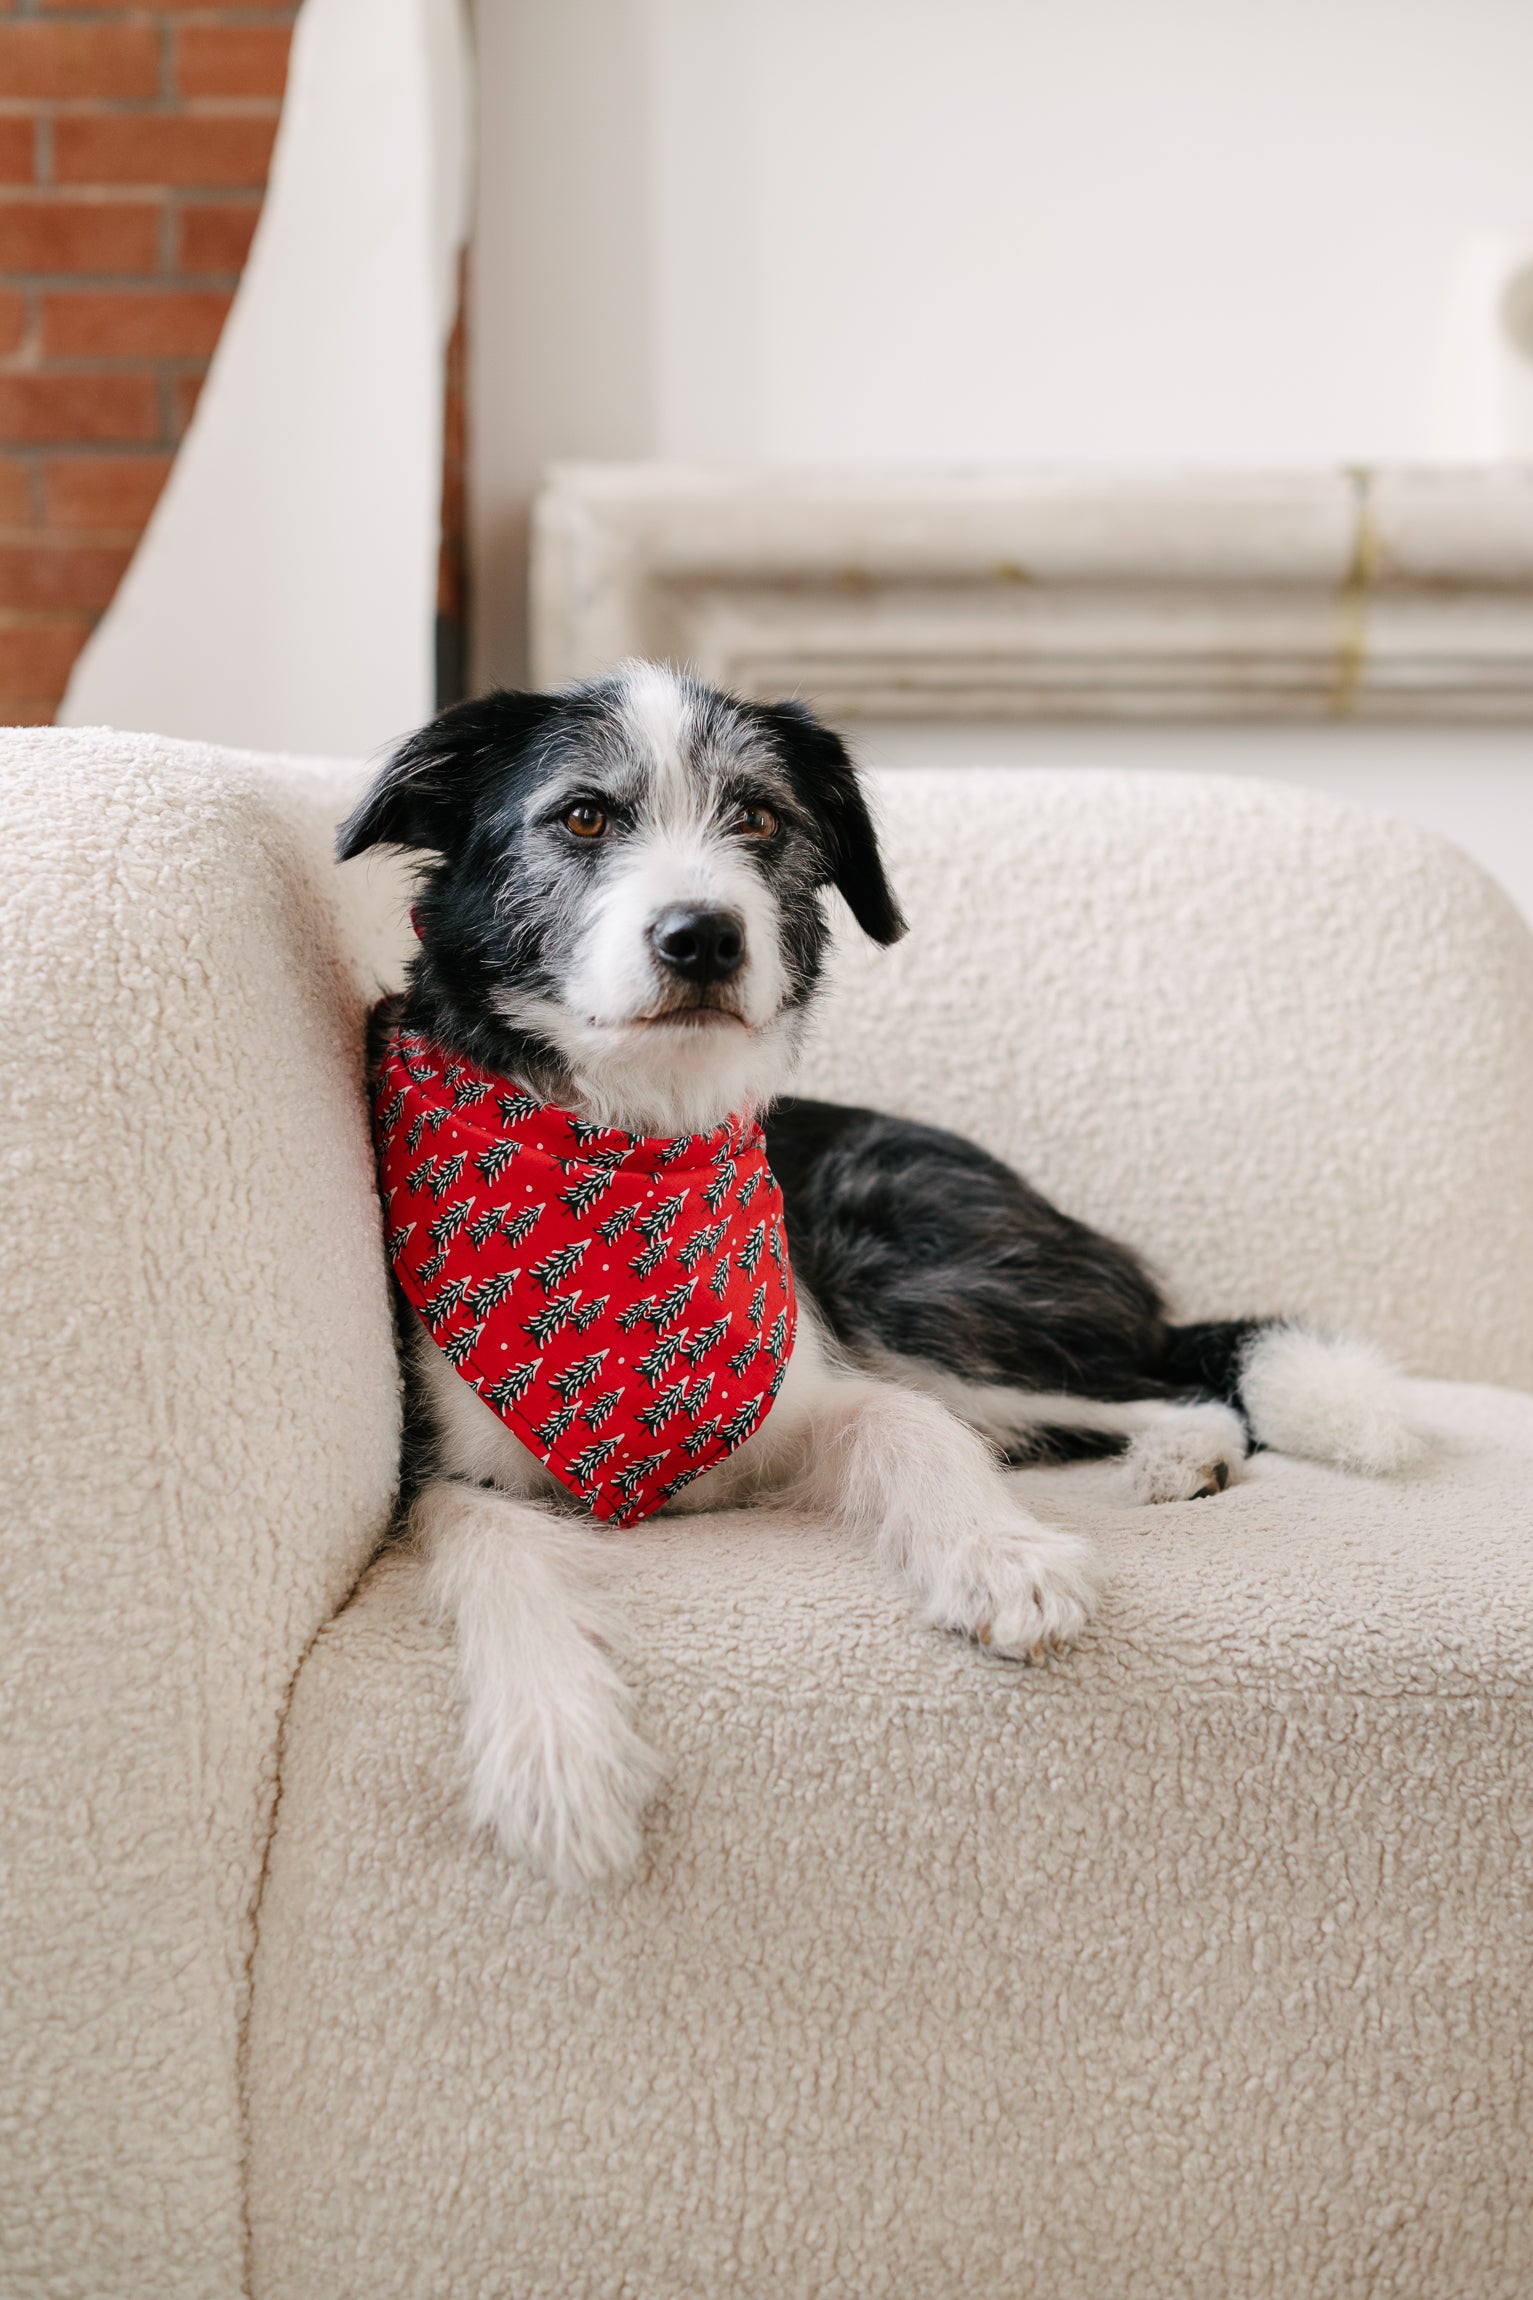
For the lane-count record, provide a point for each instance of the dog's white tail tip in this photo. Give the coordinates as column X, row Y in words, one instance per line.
column 1327, row 1398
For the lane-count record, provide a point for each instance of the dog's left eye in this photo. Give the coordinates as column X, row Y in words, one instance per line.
column 585, row 821
column 756, row 822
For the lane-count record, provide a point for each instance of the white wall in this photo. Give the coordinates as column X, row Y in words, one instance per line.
column 1195, row 230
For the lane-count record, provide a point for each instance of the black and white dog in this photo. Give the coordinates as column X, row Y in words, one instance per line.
column 621, row 910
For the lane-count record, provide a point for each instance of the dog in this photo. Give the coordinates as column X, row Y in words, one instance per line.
column 622, row 923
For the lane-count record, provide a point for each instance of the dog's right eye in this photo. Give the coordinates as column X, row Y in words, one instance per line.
column 585, row 821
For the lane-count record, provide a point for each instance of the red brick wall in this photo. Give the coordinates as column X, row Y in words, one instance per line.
column 134, row 142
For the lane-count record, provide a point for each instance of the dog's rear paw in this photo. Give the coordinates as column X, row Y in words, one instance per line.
column 1328, row 1399
column 1186, row 1454
column 1019, row 1592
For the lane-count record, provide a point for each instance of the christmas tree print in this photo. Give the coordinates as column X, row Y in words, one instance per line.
column 491, row 1292
column 592, row 1187
column 719, row 1188
column 585, row 1465
column 462, row 1344
column 671, row 1306
column 493, row 1162
column 582, row 1376
column 632, row 1476
column 658, row 1363
column 553, row 1429
column 512, row 1387
column 671, row 1401
column 585, row 1131
column 444, row 1172
column 562, row 1264
column 738, row 1429
column 663, row 1218
column 700, row 1243
column 522, row 1225
column 447, row 1225
column 551, row 1320
column 647, row 1263
column 436, row 1309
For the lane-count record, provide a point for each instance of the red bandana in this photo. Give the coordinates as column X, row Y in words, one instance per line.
column 512, row 1227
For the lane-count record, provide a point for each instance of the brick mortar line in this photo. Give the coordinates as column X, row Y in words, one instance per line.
column 130, row 286
column 205, row 19
column 130, row 195
column 172, row 107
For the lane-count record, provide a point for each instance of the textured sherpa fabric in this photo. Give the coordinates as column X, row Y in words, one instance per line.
column 1196, row 1965
column 201, row 1425
column 1281, row 1044
column 1203, row 1954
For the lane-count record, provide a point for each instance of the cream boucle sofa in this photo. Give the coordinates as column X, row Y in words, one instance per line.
column 1197, row 1966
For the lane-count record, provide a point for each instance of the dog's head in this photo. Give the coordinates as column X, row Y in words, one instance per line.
column 625, row 897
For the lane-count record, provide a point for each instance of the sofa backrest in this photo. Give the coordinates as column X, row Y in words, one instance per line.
column 1281, row 1044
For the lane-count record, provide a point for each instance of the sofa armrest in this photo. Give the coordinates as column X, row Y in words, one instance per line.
column 202, row 1406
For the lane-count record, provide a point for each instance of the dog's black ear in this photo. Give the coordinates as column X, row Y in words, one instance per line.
column 426, row 794
column 826, row 781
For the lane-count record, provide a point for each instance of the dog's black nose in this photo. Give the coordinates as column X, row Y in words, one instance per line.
column 699, row 945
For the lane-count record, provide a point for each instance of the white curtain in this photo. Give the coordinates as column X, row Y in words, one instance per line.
column 283, row 595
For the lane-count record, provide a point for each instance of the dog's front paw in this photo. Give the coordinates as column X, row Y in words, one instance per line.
column 563, row 1784
column 1017, row 1590
column 1186, row 1454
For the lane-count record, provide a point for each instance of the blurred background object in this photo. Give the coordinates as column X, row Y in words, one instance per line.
column 1482, row 405
column 134, row 146
column 993, row 236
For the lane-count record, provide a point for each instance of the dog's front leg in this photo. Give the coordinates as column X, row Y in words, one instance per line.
column 929, row 1495
column 555, row 1766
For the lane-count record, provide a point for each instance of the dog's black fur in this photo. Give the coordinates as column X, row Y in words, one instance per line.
column 913, row 1243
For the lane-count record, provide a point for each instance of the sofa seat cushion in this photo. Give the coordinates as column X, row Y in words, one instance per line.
column 1196, row 1963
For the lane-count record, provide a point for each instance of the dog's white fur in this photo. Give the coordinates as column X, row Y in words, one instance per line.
column 557, row 1767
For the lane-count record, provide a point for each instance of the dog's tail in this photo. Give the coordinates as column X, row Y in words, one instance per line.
column 1300, row 1391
